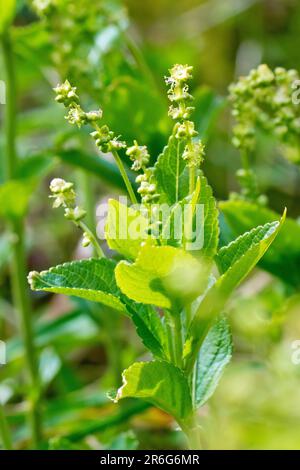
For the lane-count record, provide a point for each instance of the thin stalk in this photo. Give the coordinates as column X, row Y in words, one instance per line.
column 88, row 202
column 188, row 315
column 170, row 335
column 4, row 430
column 178, row 344
column 89, row 205
column 125, row 178
column 93, row 239
column 245, row 159
column 192, row 178
column 18, row 265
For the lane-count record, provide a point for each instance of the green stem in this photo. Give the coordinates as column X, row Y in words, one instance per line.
column 97, row 247
column 192, row 177
column 4, row 430
column 125, row 178
column 18, row 264
column 192, row 431
column 188, row 315
column 245, row 159
column 88, row 201
column 178, row 344
column 170, row 335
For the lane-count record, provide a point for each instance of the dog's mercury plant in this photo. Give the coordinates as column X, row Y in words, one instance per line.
column 172, row 294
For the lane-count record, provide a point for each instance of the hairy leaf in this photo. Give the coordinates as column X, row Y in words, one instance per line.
column 160, row 276
column 171, row 173
column 160, row 383
column 126, row 229
column 283, row 257
column 214, row 355
column 216, row 297
column 91, row 279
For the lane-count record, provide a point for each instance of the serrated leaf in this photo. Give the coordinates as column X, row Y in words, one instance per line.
column 125, row 229
column 149, row 328
column 229, row 254
column 161, row 275
column 160, row 383
column 91, row 279
column 171, row 173
column 215, row 353
column 204, row 224
column 216, row 297
column 283, row 257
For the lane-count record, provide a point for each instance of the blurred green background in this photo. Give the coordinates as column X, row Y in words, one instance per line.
column 117, row 54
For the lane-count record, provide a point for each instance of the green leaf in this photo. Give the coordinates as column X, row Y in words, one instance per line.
column 171, row 173
column 7, row 11
column 149, row 328
column 215, row 353
column 283, row 257
column 125, row 229
column 204, row 216
column 161, row 275
column 216, row 297
column 160, row 383
column 229, row 254
column 91, row 279
column 15, row 196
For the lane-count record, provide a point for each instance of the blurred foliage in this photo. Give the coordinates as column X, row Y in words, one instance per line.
column 116, row 53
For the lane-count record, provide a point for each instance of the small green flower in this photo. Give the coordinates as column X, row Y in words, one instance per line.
column 139, row 155
column 147, row 187
column 86, row 240
column 66, row 94
column 193, row 154
column 62, row 193
column 76, row 214
column 186, row 130
column 106, row 141
column 77, row 116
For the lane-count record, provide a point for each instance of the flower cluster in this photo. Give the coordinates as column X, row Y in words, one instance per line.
column 178, row 93
column 139, row 155
column 263, row 99
column 64, row 196
column 66, row 94
column 147, row 187
column 106, row 140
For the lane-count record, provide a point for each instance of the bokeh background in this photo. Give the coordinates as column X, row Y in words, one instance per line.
column 117, row 53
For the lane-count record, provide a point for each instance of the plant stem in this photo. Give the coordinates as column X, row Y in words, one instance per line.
column 125, row 177
column 170, row 335
column 192, row 431
column 192, row 176
column 245, row 159
column 18, row 264
column 93, row 239
column 4, row 430
column 178, row 339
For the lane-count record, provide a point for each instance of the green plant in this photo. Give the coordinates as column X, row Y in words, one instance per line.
column 166, row 282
